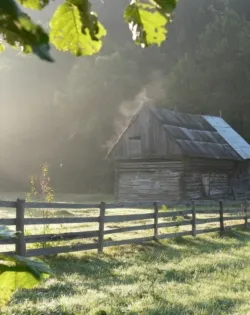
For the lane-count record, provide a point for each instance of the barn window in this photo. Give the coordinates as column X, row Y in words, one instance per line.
column 135, row 146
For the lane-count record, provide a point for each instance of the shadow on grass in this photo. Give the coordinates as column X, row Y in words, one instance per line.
column 52, row 292
column 97, row 272
column 211, row 306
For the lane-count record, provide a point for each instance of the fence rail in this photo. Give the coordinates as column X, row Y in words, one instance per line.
column 239, row 213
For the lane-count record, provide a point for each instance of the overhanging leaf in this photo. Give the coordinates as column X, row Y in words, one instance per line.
column 18, row 30
column 75, row 28
column 4, row 231
column 148, row 21
column 2, row 47
column 37, row 267
column 10, row 281
column 34, row 4
column 20, row 273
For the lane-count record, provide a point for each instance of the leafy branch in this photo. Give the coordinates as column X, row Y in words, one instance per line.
column 75, row 28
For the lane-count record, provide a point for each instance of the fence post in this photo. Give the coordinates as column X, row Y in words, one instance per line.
column 193, row 219
column 101, row 228
column 156, row 210
column 221, row 219
column 20, row 241
column 245, row 211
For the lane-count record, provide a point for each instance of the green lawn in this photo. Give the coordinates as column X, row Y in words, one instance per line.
column 203, row 275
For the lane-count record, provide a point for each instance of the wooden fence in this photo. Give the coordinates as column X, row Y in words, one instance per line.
column 20, row 222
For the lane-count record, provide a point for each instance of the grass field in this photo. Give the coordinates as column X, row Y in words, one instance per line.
column 202, row 275
column 205, row 275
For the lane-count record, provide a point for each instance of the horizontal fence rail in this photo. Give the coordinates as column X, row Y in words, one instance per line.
column 189, row 216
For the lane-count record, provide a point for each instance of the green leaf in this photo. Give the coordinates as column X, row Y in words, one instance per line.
column 2, row 47
column 34, row 4
column 6, row 232
column 75, row 28
column 36, row 267
column 18, row 30
column 10, row 281
column 20, row 273
column 148, row 21
column 167, row 6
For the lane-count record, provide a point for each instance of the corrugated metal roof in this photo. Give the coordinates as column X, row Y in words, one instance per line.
column 230, row 135
column 198, row 136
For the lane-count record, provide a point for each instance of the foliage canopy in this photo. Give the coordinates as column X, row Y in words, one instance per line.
column 75, row 28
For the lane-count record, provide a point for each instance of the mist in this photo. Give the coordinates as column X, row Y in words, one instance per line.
column 68, row 113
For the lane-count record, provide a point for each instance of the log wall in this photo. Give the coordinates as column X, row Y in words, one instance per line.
column 149, row 180
column 173, row 179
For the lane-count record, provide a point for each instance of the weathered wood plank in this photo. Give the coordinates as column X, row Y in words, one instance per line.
column 9, row 253
column 235, row 226
column 156, row 211
column 126, row 218
column 147, row 204
column 207, row 211
column 7, row 204
column 129, row 229
column 60, row 249
column 60, row 237
column 101, row 227
column 169, row 214
column 131, row 241
column 59, row 205
column 245, row 212
column 209, row 230
column 193, row 220
column 233, row 218
column 217, row 229
column 172, row 235
column 20, row 242
column 173, row 224
column 7, row 221
column 216, row 211
column 36, row 221
column 221, row 218
column 9, row 240
column 208, row 220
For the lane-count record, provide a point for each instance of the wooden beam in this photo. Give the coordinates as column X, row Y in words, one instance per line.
column 131, row 241
column 60, row 237
column 7, row 204
column 131, row 217
column 37, row 221
column 7, row 221
column 60, row 249
column 129, row 229
column 221, row 218
column 156, row 212
column 59, row 205
column 169, row 214
column 20, row 241
column 193, row 219
column 101, row 228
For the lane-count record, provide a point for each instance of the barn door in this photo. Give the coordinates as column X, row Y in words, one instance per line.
column 206, row 184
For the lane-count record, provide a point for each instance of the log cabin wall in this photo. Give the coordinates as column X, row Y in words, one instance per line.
column 149, row 180
column 207, row 178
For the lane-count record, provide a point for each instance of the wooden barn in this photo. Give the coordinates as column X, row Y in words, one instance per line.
column 168, row 155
